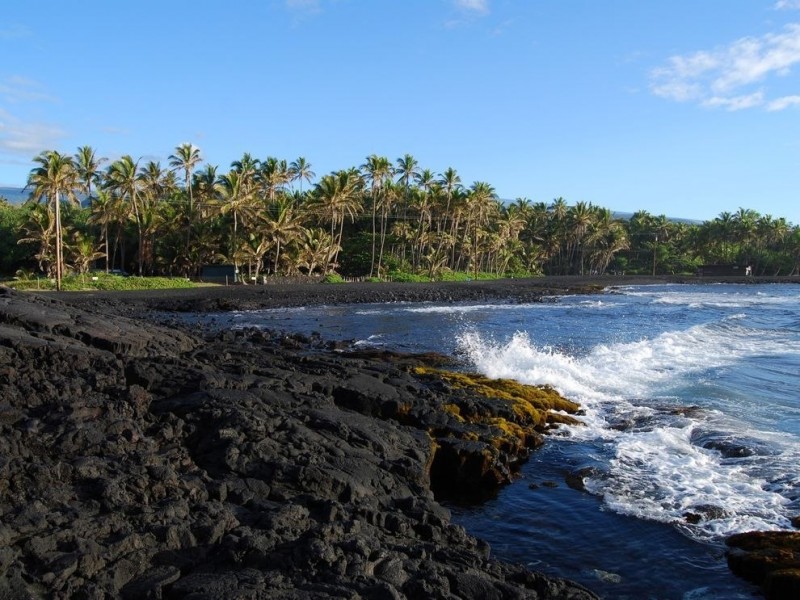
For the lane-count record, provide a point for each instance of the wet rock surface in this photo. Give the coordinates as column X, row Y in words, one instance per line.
column 144, row 461
column 768, row 558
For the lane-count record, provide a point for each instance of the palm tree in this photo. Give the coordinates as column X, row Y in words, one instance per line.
column 39, row 229
column 745, row 223
column 104, row 211
column 580, row 218
column 336, row 196
column 407, row 169
column 300, row 170
column 55, row 178
column 426, row 183
column 88, row 167
column 153, row 180
column 186, row 158
column 607, row 237
column 122, row 177
column 237, row 199
column 254, row 249
column 481, row 204
column 156, row 185
column 450, row 183
column 247, row 166
column 458, row 210
column 283, row 227
column 273, row 174
column 724, row 226
column 425, row 179
column 316, row 249
column 507, row 227
column 558, row 210
column 84, row 251
column 378, row 171
column 421, row 201
column 206, row 184
column 661, row 233
column 390, row 194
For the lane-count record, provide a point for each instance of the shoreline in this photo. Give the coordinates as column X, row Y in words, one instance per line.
column 144, row 460
column 287, row 293
column 148, row 459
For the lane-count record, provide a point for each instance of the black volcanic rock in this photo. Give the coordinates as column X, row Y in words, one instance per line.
column 143, row 461
column 768, row 558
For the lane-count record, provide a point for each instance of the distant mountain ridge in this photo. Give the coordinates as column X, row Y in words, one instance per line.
column 627, row 217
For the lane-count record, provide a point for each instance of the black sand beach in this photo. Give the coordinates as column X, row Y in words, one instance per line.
column 290, row 292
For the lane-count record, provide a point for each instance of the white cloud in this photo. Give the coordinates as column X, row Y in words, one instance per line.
column 20, row 135
column 16, row 89
column 783, row 103
column 787, row 4
column 720, row 77
column 478, row 6
column 467, row 11
column 21, row 138
column 736, row 102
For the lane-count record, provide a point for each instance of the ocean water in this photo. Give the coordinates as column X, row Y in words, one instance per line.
column 691, row 395
column 15, row 195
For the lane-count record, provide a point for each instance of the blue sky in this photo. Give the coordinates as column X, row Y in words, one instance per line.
column 686, row 108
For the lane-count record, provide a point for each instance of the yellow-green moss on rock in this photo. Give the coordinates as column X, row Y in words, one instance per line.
column 538, row 405
column 484, row 429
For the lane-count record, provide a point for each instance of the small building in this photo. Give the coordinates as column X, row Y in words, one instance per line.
column 224, row 274
column 721, row 270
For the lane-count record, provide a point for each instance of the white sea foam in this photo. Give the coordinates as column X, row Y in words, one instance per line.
column 468, row 308
column 659, row 474
column 620, row 370
column 373, row 341
column 707, row 297
column 656, row 471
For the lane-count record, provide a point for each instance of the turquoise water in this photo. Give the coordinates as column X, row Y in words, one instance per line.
column 691, row 428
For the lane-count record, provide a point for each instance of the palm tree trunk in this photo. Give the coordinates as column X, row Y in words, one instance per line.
column 339, row 240
column 59, row 257
column 384, row 220
column 121, row 244
column 105, row 238
column 374, row 213
column 277, row 256
column 233, row 247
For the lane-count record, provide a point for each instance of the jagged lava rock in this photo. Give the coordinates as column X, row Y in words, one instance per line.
column 143, row 461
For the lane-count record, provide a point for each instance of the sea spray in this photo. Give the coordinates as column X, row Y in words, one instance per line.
column 656, row 467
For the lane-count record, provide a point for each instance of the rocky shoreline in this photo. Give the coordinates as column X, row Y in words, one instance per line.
column 141, row 460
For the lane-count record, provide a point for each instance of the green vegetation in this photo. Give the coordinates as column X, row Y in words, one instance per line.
column 26, row 280
column 333, row 278
column 380, row 221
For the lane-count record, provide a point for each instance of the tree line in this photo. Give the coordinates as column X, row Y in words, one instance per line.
column 382, row 219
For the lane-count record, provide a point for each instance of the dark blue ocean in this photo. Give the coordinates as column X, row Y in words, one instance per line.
column 14, row 195
column 692, row 424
